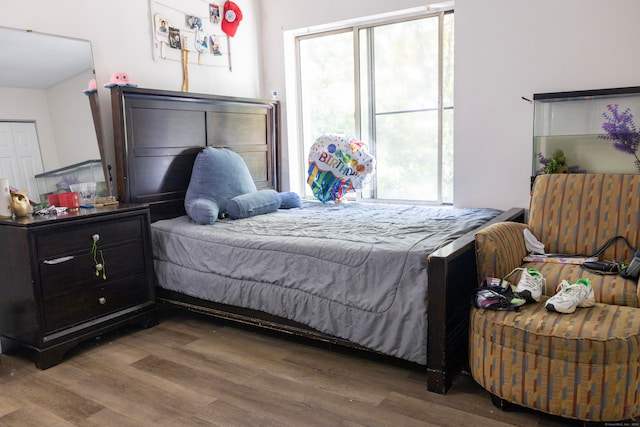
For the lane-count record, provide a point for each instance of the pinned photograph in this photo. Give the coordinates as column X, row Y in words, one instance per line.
column 174, row 38
column 215, row 46
column 202, row 41
column 162, row 25
column 214, row 13
column 194, row 22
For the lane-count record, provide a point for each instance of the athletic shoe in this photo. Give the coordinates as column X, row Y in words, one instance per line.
column 569, row 296
column 531, row 284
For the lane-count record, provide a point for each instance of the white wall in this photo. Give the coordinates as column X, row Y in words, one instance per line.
column 121, row 35
column 72, row 122
column 507, row 49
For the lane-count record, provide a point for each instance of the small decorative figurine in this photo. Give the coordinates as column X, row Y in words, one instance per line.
column 91, row 88
column 119, row 79
column 20, row 203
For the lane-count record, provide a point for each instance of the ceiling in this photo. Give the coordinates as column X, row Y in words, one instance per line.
column 39, row 61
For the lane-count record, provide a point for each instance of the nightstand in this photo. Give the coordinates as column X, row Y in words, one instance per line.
column 71, row 277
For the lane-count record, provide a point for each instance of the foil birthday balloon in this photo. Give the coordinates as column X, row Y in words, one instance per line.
column 338, row 164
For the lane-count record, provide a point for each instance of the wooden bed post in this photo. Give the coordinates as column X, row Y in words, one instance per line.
column 452, row 276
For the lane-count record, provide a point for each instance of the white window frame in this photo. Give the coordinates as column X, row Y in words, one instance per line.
column 296, row 158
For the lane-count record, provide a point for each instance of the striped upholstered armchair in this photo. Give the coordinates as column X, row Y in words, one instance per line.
column 584, row 365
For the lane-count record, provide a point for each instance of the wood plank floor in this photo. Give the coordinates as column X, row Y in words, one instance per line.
column 194, row 371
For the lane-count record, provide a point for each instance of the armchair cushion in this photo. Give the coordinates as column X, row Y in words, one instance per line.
column 500, row 248
column 584, row 365
column 608, row 289
column 571, row 214
column 578, row 213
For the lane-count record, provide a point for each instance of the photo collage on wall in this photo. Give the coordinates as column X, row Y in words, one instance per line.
column 201, row 33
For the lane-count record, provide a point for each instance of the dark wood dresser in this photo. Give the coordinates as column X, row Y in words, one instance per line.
column 71, row 277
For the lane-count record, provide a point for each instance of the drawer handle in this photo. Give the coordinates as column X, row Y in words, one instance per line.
column 58, row 260
column 100, row 266
column 102, row 300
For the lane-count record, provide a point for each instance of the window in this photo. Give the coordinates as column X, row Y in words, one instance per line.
column 390, row 84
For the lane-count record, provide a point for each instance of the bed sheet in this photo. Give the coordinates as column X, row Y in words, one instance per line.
column 357, row 271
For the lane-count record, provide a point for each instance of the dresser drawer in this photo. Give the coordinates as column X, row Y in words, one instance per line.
column 78, row 238
column 65, row 274
column 50, row 296
column 84, row 305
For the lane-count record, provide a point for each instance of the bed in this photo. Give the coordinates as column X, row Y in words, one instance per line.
column 400, row 289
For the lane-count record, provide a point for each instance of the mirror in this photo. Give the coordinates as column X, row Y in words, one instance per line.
column 41, row 86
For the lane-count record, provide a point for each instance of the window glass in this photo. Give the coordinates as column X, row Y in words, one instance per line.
column 407, row 156
column 402, row 108
column 327, row 92
column 405, row 65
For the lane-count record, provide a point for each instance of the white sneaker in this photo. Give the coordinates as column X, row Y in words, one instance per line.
column 569, row 296
column 531, row 284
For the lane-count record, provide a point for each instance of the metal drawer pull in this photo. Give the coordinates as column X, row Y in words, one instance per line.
column 100, row 266
column 58, row 260
column 102, row 300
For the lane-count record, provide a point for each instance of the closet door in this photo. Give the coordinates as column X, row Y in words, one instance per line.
column 20, row 159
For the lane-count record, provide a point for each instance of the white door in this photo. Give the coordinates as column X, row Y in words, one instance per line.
column 20, row 159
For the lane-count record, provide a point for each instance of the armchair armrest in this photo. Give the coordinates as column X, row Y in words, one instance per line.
column 500, row 248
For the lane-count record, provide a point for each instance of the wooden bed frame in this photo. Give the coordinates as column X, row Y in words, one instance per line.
column 157, row 136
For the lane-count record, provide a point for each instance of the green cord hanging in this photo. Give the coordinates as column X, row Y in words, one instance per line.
column 100, row 266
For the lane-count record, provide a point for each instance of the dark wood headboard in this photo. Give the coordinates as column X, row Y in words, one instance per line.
column 159, row 133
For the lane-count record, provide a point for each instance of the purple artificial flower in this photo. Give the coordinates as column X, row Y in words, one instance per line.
column 621, row 129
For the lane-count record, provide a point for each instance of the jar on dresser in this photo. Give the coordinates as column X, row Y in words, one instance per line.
column 74, row 276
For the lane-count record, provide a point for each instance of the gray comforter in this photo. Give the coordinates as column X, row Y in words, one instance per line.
column 356, row 271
